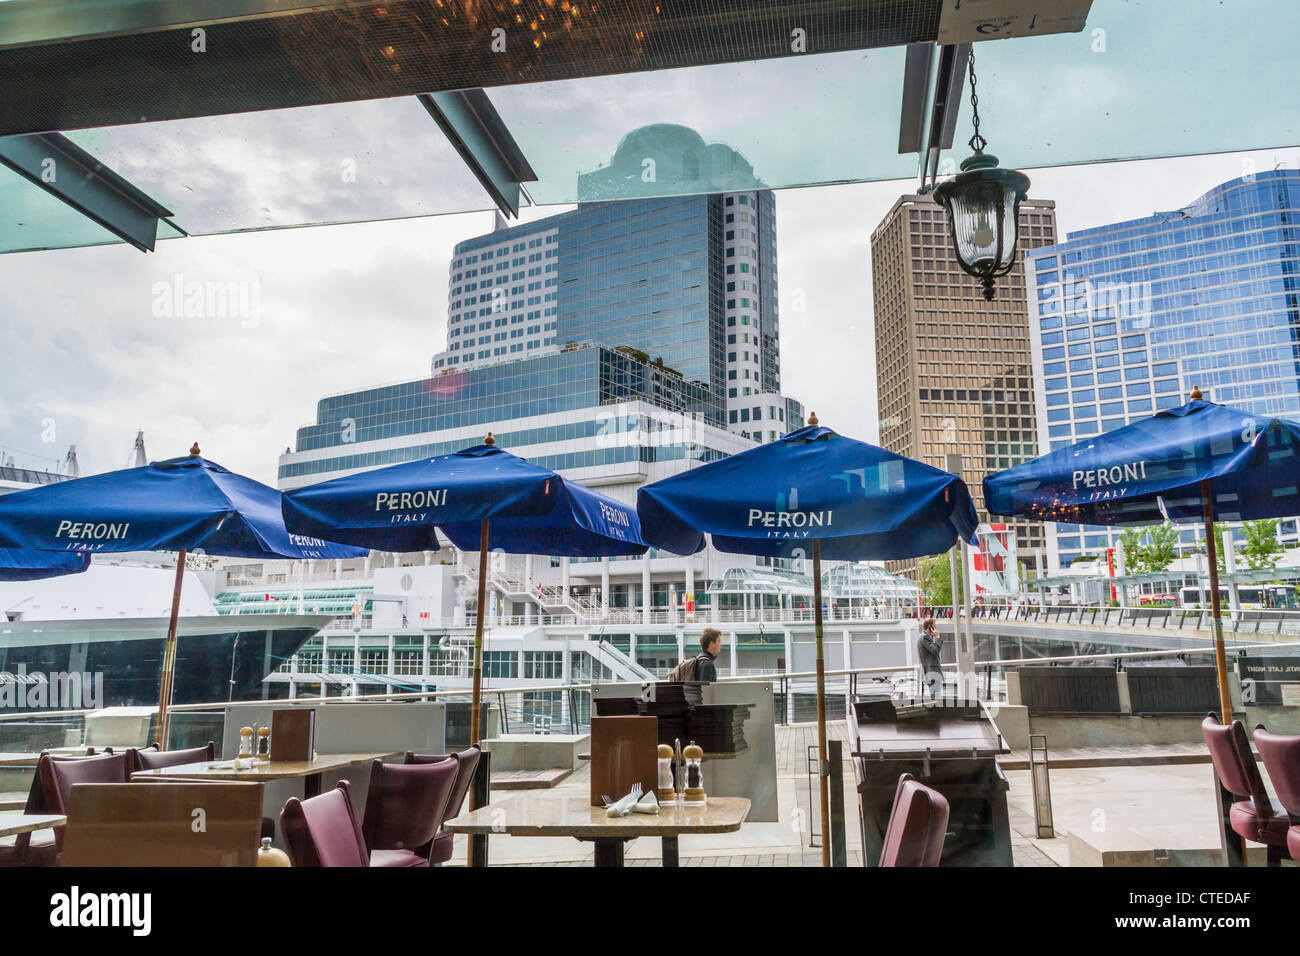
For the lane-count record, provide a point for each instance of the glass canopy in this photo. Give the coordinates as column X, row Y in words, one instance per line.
column 1142, row 80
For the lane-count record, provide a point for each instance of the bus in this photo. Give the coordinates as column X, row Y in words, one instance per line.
column 1158, row 600
column 1250, row 597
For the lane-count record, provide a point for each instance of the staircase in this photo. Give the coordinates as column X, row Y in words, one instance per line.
column 550, row 599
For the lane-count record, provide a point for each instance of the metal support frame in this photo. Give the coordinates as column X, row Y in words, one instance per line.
column 935, row 91
column 476, row 131
column 838, row 838
column 67, row 172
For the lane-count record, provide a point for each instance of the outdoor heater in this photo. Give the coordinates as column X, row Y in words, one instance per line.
column 983, row 207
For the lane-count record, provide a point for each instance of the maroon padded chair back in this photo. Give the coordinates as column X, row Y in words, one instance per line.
column 1281, row 756
column 1235, row 763
column 467, row 763
column 426, row 758
column 151, row 758
column 405, row 804
column 323, row 831
column 918, row 824
column 58, row 775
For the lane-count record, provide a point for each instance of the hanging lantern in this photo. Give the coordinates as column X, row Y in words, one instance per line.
column 983, row 207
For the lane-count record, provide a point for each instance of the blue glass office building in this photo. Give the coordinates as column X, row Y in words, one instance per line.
column 1126, row 318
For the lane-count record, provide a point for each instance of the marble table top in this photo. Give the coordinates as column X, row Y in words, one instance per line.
column 537, row 814
column 274, row 770
column 14, row 823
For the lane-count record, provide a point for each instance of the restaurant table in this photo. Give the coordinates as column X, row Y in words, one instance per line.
column 309, row 770
column 19, row 759
column 549, row 815
column 15, row 823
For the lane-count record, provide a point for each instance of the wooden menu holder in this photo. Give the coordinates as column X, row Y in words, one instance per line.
column 624, row 751
column 293, row 734
column 153, row 824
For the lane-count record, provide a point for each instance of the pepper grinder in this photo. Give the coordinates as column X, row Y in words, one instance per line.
column 665, row 792
column 264, row 744
column 693, row 795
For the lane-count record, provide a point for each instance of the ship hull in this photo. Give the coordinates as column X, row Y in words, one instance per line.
column 119, row 662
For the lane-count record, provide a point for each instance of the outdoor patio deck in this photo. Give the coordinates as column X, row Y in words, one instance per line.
column 1103, row 799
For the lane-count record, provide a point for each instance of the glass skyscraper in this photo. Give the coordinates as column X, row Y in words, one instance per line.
column 603, row 342
column 1127, row 318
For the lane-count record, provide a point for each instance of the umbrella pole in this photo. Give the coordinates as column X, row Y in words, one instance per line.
column 477, row 698
column 822, row 768
column 1211, row 554
column 169, row 654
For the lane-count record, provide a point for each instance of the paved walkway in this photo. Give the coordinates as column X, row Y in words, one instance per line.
column 1126, row 755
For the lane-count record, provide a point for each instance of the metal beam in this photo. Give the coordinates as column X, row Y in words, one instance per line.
column 473, row 126
column 931, row 100
column 66, row 171
column 916, row 95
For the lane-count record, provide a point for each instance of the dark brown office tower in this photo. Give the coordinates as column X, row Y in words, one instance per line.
column 954, row 372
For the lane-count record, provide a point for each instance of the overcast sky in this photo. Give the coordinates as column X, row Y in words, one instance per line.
column 87, row 359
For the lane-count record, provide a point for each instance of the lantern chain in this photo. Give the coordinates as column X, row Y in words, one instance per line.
column 976, row 142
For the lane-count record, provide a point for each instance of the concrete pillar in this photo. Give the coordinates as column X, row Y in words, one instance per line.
column 966, row 643
column 645, row 588
column 1121, row 592
column 366, row 567
column 564, row 578
column 1230, row 566
column 428, row 560
column 690, row 580
column 732, row 655
column 338, row 572
column 604, row 586
column 392, row 664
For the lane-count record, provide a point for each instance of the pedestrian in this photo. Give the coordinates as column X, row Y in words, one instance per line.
column 929, row 648
column 701, row 668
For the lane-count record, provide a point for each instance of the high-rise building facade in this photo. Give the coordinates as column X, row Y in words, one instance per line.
column 954, row 371
column 1129, row 317
column 688, row 283
column 617, row 342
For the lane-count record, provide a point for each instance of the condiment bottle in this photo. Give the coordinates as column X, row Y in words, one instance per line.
column 693, row 795
column 664, row 792
column 268, row 855
column 245, row 742
column 264, row 743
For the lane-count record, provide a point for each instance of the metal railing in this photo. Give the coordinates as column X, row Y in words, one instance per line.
column 575, row 702
column 1240, row 621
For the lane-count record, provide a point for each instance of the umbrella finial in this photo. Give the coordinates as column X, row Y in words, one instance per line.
column 194, row 449
column 489, row 440
column 812, row 418
column 1196, row 394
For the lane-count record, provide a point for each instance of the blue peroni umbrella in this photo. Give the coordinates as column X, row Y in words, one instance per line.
column 24, row 564
column 811, row 492
column 480, row 497
column 1198, row 460
column 182, row 505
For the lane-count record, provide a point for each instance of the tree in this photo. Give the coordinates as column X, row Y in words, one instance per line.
column 1140, row 557
column 1262, row 549
column 1164, row 547
column 935, row 574
column 1130, row 542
